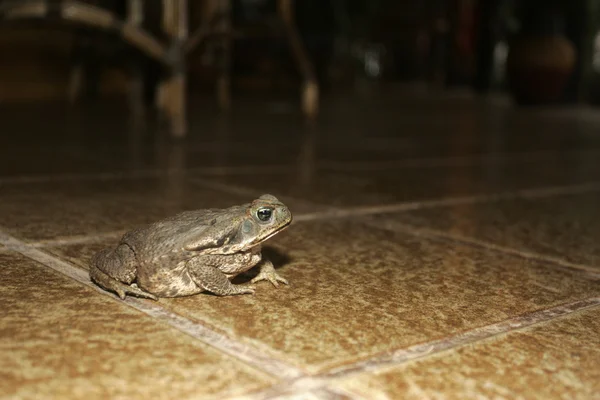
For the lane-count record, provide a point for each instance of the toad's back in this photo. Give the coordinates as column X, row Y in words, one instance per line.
column 172, row 234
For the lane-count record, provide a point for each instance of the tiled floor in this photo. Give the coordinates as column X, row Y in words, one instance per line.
column 443, row 247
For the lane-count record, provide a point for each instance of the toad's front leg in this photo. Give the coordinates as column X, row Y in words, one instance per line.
column 267, row 273
column 206, row 274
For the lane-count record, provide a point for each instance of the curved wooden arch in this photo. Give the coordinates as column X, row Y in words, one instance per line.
column 90, row 15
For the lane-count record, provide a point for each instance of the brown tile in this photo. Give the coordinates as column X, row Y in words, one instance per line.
column 63, row 340
column 565, row 227
column 554, row 360
column 392, row 185
column 86, row 207
column 357, row 291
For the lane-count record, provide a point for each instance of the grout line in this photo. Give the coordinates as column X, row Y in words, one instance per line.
column 437, row 234
column 226, row 188
column 400, row 357
column 252, row 193
column 79, row 239
column 344, row 393
column 320, row 393
column 452, row 201
column 146, row 173
column 462, row 339
column 299, row 388
column 464, row 161
column 243, row 352
column 76, row 177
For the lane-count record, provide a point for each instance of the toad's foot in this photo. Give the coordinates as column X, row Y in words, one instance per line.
column 230, row 290
column 267, row 273
column 244, row 289
column 121, row 289
column 133, row 290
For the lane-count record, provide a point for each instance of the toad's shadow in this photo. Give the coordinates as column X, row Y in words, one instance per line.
column 278, row 259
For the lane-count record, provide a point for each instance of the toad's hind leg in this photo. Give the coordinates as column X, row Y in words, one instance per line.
column 212, row 279
column 115, row 270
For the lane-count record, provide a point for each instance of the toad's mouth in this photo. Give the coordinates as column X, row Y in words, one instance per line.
column 270, row 235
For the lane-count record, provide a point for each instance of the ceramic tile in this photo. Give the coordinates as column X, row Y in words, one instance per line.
column 64, row 340
column 86, row 207
column 357, row 291
column 554, row 360
column 565, row 227
column 393, row 185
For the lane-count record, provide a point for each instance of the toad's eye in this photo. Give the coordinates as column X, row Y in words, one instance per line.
column 264, row 214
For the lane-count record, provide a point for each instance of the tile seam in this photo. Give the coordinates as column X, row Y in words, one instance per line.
column 471, row 336
column 238, row 350
column 142, row 173
column 331, row 212
column 438, row 162
column 543, row 192
column 77, row 239
column 435, row 234
column 246, row 191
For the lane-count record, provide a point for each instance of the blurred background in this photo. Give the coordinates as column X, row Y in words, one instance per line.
column 537, row 52
column 440, row 157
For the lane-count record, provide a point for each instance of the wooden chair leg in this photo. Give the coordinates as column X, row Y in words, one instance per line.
column 171, row 104
column 310, row 99
column 178, row 105
column 75, row 85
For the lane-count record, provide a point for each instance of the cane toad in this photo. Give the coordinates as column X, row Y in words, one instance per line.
column 193, row 251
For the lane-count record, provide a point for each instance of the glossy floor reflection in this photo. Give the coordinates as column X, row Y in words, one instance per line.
column 443, row 246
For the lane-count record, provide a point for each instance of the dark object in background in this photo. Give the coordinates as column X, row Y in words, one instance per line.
column 462, row 42
column 577, row 25
column 541, row 60
column 316, row 24
column 592, row 88
column 95, row 50
column 488, row 35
